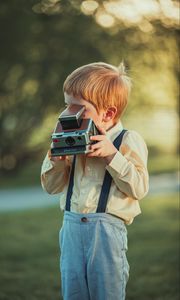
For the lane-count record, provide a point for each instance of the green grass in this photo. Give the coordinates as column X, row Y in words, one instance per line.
column 163, row 163
column 29, row 256
column 28, row 175
column 154, row 251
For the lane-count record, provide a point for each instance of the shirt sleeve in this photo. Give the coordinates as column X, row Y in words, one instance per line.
column 128, row 168
column 55, row 175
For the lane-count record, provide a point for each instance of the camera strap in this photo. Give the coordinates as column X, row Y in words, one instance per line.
column 106, row 181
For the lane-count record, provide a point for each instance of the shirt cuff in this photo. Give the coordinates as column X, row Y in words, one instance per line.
column 118, row 164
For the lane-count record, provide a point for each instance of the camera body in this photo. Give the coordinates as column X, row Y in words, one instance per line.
column 72, row 133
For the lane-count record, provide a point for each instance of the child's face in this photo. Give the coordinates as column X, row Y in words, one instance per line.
column 90, row 111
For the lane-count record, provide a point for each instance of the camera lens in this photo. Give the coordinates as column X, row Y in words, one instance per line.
column 70, row 141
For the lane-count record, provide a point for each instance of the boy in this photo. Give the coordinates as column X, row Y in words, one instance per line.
column 93, row 238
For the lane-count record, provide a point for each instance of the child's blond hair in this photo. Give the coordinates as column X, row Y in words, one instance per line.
column 101, row 84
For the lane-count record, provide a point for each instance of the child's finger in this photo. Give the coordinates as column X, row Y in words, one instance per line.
column 95, row 153
column 57, row 158
column 96, row 146
column 97, row 138
column 49, row 153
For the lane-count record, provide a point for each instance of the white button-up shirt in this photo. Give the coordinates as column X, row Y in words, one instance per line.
column 128, row 169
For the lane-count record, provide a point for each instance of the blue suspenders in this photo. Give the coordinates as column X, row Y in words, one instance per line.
column 106, row 182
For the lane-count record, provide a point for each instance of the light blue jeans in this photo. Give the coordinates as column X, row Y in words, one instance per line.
column 93, row 260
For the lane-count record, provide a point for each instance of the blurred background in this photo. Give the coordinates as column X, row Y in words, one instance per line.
column 41, row 43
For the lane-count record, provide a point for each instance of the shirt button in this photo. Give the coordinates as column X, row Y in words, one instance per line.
column 84, row 219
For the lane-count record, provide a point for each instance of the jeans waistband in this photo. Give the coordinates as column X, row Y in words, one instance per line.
column 92, row 217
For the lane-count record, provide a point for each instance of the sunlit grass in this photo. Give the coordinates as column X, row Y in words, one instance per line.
column 29, row 255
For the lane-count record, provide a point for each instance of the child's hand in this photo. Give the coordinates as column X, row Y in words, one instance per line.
column 55, row 158
column 103, row 148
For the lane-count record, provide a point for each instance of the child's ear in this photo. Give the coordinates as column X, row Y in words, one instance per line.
column 110, row 113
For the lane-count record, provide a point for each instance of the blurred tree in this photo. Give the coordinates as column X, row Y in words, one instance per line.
column 37, row 53
column 42, row 42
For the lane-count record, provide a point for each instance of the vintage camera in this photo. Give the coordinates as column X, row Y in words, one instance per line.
column 72, row 133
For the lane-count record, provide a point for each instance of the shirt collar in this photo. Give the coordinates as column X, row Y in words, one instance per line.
column 114, row 131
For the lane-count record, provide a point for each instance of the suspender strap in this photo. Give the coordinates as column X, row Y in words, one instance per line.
column 108, row 179
column 70, row 187
column 106, row 182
